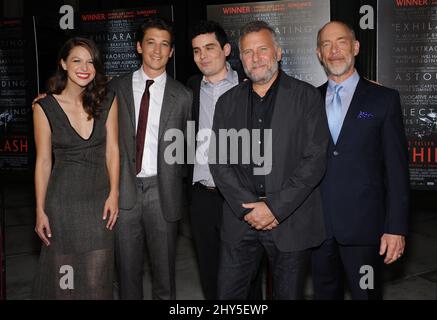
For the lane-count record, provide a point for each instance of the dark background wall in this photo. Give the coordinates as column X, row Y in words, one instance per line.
column 188, row 12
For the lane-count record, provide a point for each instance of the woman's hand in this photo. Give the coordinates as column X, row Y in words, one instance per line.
column 42, row 227
column 39, row 97
column 111, row 209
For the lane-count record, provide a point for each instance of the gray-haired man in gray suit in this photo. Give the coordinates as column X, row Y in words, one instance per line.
column 151, row 190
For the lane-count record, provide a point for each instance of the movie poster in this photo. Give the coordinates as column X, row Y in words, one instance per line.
column 407, row 61
column 14, row 113
column 296, row 22
column 115, row 33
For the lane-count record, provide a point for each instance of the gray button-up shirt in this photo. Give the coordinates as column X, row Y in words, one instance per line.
column 209, row 94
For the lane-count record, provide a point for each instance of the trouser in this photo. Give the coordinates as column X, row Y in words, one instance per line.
column 144, row 225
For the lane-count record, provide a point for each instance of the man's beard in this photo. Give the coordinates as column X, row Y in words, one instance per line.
column 266, row 77
column 339, row 71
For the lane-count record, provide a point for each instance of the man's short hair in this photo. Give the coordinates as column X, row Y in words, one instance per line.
column 344, row 24
column 204, row 27
column 157, row 23
column 256, row 26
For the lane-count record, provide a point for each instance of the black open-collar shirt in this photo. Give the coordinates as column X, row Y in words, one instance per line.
column 260, row 117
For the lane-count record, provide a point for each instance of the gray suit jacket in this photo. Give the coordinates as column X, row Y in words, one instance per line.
column 176, row 111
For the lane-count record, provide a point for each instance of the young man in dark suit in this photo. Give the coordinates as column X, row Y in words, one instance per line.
column 272, row 206
column 151, row 189
column 366, row 188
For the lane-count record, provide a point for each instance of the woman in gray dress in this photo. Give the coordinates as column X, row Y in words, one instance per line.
column 76, row 178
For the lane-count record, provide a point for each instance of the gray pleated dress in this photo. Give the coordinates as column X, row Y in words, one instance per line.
column 79, row 262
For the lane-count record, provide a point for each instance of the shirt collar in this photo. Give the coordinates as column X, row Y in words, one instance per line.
column 350, row 82
column 273, row 87
column 159, row 80
column 230, row 76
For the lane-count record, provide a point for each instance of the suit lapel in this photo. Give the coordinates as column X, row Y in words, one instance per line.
column 323, row 89
column 168, row 104
column 281, row 104
column 196, row 105
column 196, row 101
column 278, row 128
column 353, row 110
column 128, row 92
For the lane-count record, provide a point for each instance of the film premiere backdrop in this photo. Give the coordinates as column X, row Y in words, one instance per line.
column 406, row 55
column 407, row 61
column 406, row 52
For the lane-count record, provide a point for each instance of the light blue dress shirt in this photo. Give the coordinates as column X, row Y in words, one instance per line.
column 346, row 93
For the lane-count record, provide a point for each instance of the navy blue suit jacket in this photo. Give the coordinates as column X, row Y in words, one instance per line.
column 365, row 192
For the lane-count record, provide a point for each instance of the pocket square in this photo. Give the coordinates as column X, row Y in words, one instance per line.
column 365, row 115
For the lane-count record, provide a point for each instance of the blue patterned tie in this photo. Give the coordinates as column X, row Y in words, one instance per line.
column 334, row 114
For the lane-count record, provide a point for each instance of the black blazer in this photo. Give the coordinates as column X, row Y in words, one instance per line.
column 299, row 142
column 366, row 188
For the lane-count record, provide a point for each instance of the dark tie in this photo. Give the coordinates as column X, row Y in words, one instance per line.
column 142, row 125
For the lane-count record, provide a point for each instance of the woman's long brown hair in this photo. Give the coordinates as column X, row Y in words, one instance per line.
column 95, row 91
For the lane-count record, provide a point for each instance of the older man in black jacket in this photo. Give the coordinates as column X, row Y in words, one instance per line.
column 273, row 205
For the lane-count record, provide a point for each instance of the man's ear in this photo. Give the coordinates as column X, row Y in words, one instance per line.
column 171, row 53
column 356, row 47
column 227, row 49
column 319, row 55
column 139, row 49
column 279, row 54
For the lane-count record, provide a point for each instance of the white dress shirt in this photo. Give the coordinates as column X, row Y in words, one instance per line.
column 149, row 166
